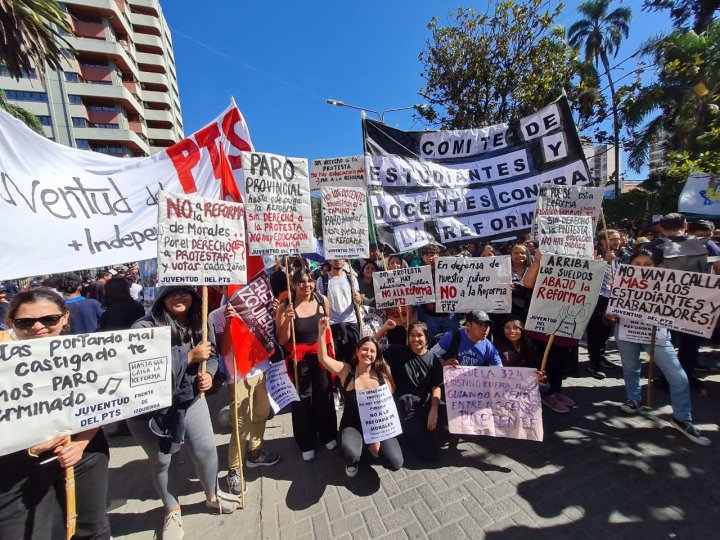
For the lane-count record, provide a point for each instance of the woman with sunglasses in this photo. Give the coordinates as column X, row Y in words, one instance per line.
column 366, row 371
column 313, row 416
column 31, row 487
column 188, row 419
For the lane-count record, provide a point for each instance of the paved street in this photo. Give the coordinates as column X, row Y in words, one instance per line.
column 598, row 474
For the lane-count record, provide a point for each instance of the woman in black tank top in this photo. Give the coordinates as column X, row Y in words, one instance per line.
column 313, row 416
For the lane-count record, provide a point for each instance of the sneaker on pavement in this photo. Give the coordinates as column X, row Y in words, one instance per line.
column 224, row 503
column 173, row 526
column 631, row 406
column 691, row 432
column 262, row 459
column 234, row 482
column 351, row 470
column 331, row 445
column 564, row 399
column 607, row 364
column 309, row 455
column 597, row 372
column 552, row 403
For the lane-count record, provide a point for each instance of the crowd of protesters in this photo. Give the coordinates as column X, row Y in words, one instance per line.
column 404, row 349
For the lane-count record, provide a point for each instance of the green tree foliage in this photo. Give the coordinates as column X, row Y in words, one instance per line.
column 30, row 36
column 682, row 100
column 21, row 114
column 599, row 35
column 487, row 68
column 699, row 13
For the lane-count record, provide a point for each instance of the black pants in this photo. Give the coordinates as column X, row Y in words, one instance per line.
column 314, row 415
column 688, row 348
column 353, row 444
column 416, row 437
column 345, row 337
column 598, row 332
column 558, row 360
column 32, row 498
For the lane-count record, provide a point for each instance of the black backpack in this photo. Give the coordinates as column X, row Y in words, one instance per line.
column 452, row 350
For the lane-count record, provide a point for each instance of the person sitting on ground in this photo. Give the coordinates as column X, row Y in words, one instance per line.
column 666, row 359
column 468, row 346
column 366, row 370
column 418, row 378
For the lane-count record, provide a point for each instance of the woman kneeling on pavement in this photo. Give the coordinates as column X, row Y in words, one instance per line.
column 32, row 482
column 188, row 419
column 666, row 359
column 367, row 370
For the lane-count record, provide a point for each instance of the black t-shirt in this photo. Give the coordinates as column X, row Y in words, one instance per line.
column 412, row 373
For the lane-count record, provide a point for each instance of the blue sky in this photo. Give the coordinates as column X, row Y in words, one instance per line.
column 282, row 60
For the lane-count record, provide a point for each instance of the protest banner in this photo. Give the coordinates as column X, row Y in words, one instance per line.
column 74, row 383
column 701, row 195
column 344, row 222
column 403, row 287
column 566, row 235
column 80, row 209
column 457, row 186
column 565, row 295
column 553, row 200
column 682, row 301
column 463, row 284
column 338, row 172
column 200, row 241
column 636, row 332
column 281, row 391
column 378, row 414
column 494, row 401
column 279, row 217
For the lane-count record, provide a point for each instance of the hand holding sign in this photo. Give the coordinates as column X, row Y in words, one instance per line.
column 200, row 353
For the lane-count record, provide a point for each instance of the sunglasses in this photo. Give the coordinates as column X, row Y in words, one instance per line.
column 47, row 320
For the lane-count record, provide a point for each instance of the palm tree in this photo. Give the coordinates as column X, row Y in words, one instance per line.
column 18, row 112
column 600, row 34
column 30, row 35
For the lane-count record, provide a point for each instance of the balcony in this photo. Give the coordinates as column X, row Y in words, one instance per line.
column 88, row 29
column 157, row 97
column 122, row 136
column 110, row 49
column 158, row 135
column 159, row 116
column 109, row 92
column 150, row 59
column 147, row 4
column 148, row 40
column 146, row 21
column 106, row 7
column 153, row 78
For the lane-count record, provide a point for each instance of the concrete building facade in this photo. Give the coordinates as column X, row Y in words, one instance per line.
column 601, row 162
column 118, row 91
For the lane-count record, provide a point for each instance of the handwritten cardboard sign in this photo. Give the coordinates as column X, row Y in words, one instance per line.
column 403, row 287
column 554, row 200
column 684, row 301
column 201, row 241
column 338, row 172
column 74, row 383
column 279, row 217
column 378, row 414
column 494, row 401
column 636, row 332
column 566, row 235
column 565, row 295
column 281, row 391
column 344, row 222
column 463, row 284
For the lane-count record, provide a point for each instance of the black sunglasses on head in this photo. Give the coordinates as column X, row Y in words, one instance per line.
column 47, row 320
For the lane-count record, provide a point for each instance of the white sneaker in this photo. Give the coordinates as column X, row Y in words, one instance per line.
column 309, row 455
column 173, row 526
column 224, row 503
column 331, row 445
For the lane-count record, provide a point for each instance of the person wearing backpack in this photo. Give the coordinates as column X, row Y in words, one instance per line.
column 678, row 251
column 468, row 346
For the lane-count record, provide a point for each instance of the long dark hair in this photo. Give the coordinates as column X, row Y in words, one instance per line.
column 161, row 317
column 117, row 291
column 296, row 277
column 380, row 366
column 33, row 295
column 526, row 352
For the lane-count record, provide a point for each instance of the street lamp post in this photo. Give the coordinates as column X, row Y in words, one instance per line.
column 380, row 115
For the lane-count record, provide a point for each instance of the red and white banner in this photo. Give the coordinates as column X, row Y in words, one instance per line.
column 68, row 209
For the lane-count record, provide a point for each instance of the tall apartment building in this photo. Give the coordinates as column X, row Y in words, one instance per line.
column 118, row 92
column 601, row 162
column 656, row 159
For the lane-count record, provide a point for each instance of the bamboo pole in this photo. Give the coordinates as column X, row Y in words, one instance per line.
column 203, row 364
column 650, row 366
column 236, row 434
column 547, row 353
column 70, row 503
column 292, row 326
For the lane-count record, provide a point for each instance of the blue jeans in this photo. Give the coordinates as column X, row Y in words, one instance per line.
column 438, row 325
column 666, row 359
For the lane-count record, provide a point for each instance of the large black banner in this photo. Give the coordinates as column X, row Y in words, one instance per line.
column 464, row 185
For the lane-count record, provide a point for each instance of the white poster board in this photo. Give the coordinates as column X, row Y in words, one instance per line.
column 279, row 216
column 636, row 332
column 559, row 200
column 93, row 380
column 281, row 392
column 403, row 287
column 344, row 222
column 463, row 284
column 566, row 235
column 378, row 414
column 564, row 295
column 684, row 301
column 338, row 172
column 200, row 241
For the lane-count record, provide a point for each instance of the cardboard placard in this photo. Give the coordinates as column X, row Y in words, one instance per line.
column 566, row 235
column 378, row 414
column 403, row 287
column 281, row 392
column 463, row 284
column 344, row 222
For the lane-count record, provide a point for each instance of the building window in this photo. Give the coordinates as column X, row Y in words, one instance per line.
column 107, row 126
column 45, row 120
column 74, row 99
column 72, row 77
column 93, row 65
column 79, row 122
column 82, row 144
column 105, row 83
column 104, row 108
column 19, row 95
column 107, row 149
column 25, row 74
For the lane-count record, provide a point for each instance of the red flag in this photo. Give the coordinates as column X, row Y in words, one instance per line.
column 248, row 350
